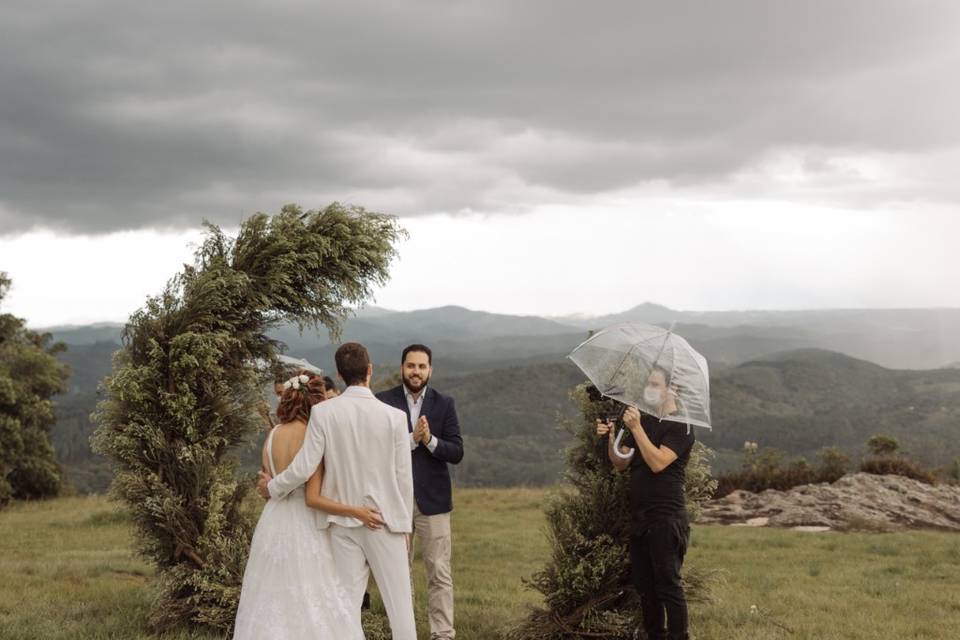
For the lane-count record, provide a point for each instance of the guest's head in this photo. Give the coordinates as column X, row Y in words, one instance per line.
column 299, row 393
column 657, row 391
column 278, row 379
column 416, row 366
column 353, row 364
column 330, row 388
column 281, row 375
column 316, row 390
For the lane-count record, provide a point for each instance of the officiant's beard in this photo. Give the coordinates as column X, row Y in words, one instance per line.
column 417, row 389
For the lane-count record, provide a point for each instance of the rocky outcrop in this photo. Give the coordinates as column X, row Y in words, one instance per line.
column 858, row 501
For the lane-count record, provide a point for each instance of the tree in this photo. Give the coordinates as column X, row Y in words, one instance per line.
column 586, row 583
column 385, row 377
column 882, row 445
column 185, row 389
column 30, row 375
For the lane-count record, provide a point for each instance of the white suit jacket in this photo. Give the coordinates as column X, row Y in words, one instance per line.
column 365, row 448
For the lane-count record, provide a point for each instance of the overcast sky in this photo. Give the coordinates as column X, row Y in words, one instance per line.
column 542, row 154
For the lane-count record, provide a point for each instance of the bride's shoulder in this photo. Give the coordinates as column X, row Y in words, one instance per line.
column 297, row 426
column 286, row 433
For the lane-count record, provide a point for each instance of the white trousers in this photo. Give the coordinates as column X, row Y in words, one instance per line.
column 357, row 551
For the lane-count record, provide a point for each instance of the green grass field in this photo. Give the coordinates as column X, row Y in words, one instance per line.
column 67, row 571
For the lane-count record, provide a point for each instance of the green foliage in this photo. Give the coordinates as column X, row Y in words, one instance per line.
column 385, row 377
column 700, row 484
column 376, row 625
column 881, row 445
column 509, row 392
column 586, row 583
column 508, row 417
column 511, row 421
column 185, row 393
column 834, row 464
column 804, row 400
column 30, row 375
column 768, row 468
column 764, row 469
column 885, row 460
column 897, row 466
column 953, row 471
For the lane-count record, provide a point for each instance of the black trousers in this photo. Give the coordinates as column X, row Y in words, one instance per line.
column 656, row 556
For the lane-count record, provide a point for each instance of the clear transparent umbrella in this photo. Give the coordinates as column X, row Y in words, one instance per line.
column 301, row 363
column 291, row 362
column 620, row 360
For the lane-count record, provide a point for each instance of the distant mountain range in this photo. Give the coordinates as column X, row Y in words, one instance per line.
column 791, row 379
column 895, row 338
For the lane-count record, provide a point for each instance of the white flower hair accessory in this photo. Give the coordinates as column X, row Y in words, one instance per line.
column 296, row 382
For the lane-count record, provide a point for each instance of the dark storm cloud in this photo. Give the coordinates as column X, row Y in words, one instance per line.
column 123, row 115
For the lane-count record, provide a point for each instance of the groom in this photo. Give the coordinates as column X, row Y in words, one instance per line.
column 365, row 448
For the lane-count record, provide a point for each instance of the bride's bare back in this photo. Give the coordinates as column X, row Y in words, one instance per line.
column 287, row 441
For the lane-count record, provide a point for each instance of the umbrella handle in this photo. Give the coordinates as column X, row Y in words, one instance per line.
column 616, row 447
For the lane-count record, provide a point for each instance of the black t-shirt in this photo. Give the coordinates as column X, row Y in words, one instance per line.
column 659, row 496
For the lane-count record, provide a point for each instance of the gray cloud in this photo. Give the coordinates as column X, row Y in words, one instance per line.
column 121, row 115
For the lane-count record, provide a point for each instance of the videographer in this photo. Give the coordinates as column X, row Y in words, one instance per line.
column 660, row 529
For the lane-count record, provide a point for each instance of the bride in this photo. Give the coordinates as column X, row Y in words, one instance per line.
column 290, row 588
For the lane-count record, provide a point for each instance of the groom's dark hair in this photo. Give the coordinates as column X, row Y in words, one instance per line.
column 352, row 362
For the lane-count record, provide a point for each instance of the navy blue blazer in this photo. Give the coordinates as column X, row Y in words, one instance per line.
column 431, row 477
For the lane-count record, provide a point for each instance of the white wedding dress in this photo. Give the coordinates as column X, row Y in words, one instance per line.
column 290, row 586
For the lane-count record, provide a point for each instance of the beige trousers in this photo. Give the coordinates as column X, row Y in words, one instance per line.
column 435, row 547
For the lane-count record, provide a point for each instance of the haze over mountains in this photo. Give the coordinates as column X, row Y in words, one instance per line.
column 894, row 338
column 797, row 380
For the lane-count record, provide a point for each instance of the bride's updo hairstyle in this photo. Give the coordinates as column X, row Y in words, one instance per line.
column 300, row 393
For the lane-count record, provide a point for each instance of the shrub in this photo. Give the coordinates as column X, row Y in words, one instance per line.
column 881, row 445
column 885, row 461
column 897, row 466
column 764, row 469
column 834, row 464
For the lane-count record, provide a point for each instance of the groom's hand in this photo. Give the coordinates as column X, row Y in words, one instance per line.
column 264, row 479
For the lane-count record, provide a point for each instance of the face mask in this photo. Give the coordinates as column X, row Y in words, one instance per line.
column 652, row 396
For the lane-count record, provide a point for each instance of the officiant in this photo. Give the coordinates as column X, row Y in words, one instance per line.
column 435, row 443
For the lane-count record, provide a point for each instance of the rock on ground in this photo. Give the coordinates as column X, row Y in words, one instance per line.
column 856, row 501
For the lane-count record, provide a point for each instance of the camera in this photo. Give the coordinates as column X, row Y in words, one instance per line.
column 613, row 409
column 593, row 394
column 616, row 415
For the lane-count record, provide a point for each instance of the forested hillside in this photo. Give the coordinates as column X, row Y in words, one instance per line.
column 804, row 400
column 770, row 384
